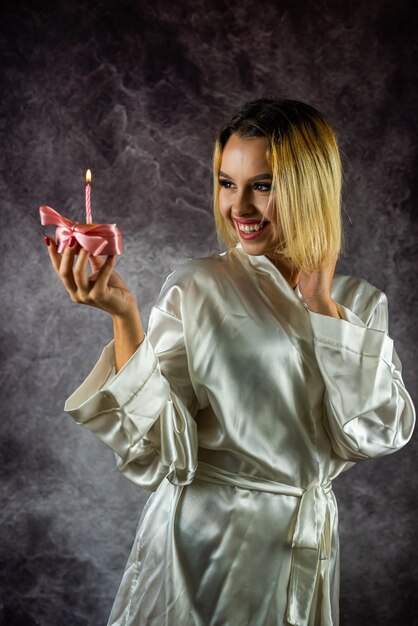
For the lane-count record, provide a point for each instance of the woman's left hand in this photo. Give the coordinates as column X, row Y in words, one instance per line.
column 315, row 288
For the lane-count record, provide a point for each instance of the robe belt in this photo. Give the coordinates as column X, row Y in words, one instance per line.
column 311, row 542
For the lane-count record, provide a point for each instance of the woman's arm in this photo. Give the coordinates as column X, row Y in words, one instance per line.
column 129, row 334
column 138, row 398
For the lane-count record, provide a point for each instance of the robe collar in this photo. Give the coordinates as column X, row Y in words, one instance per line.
column 263, row 264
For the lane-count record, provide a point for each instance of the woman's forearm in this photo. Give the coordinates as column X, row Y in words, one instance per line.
column 129, row 334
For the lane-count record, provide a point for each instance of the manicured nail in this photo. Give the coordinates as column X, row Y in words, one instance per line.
column 72, row 242
column 47, row 240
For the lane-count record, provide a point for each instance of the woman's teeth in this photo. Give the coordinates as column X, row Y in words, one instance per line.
column 247, row 228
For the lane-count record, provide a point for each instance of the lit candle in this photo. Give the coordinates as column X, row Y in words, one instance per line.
column 88, row 197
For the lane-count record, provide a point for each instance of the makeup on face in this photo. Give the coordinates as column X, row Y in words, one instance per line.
column 245, row 179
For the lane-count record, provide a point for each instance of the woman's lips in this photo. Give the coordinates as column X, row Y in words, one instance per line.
column 256, row 233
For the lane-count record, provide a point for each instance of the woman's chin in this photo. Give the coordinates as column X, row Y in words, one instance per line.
column 254, row 247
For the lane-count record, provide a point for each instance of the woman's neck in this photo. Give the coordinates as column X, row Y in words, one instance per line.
column 286, row 268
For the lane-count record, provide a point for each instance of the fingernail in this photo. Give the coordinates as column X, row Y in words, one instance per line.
column 47, row 240
column 71, row 242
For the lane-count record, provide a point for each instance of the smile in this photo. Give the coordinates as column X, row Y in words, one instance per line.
column 251, row 231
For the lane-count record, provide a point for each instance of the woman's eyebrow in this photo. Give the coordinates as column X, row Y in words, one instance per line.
column 254, row 178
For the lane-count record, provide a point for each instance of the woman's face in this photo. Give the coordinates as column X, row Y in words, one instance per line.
column 245, row 179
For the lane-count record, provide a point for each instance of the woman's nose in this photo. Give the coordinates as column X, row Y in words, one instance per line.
column 242, row 204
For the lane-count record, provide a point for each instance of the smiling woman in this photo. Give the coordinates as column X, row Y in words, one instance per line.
column 262, row 377
column 296, row 153
column 244, row 198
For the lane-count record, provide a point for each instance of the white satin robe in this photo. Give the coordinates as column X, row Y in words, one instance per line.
column 237, row 411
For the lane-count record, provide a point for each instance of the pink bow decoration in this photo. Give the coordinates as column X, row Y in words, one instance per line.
column 96, row 238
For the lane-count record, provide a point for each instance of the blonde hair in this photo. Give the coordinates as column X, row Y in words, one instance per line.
column 307, row 177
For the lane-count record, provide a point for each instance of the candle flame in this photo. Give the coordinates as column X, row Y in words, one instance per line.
column 88, row 176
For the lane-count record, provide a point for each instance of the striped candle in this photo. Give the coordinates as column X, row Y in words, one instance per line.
column 88, row 197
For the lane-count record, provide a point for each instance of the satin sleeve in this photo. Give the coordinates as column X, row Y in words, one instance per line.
column 367, row 411
column 144, row 413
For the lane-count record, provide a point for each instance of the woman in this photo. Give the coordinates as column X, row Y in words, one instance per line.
column 263, row 376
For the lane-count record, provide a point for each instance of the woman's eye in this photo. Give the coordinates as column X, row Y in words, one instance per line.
column 262, row 186
column 225, row 183
column 257, row 186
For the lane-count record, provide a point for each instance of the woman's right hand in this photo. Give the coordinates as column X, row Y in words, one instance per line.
column 104, row 288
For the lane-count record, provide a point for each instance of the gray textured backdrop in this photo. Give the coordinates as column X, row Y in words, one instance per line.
column 136, row 91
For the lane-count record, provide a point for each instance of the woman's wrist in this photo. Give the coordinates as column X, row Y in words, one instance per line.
column 130, row 314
